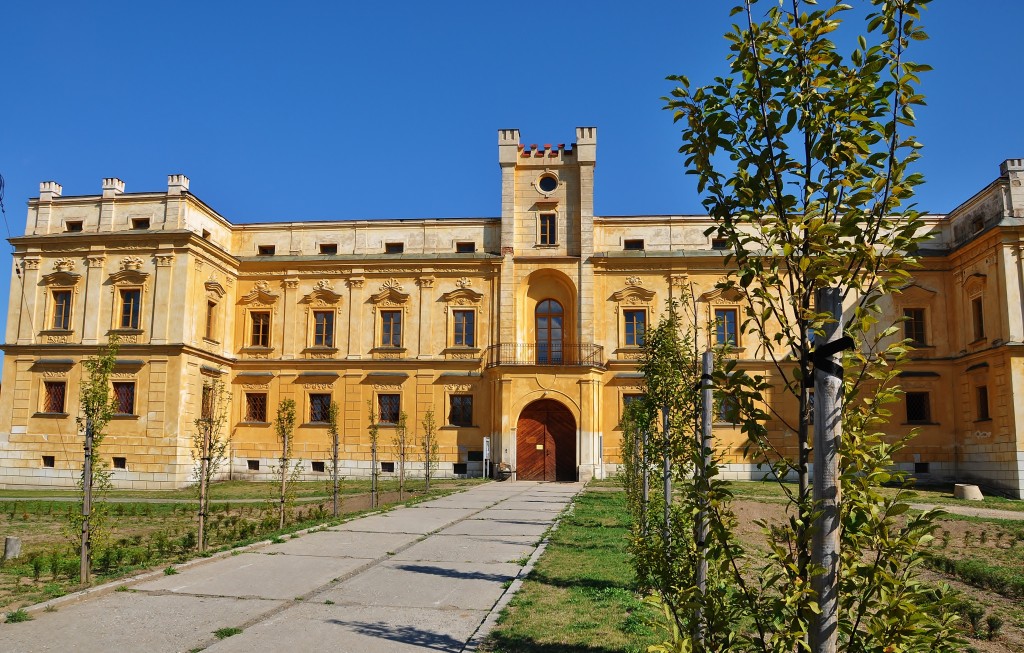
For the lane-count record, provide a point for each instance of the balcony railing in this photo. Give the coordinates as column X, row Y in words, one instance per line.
column 546, row 354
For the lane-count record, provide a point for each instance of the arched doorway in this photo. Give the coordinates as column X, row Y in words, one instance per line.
column 546, row 443
column 549, row 317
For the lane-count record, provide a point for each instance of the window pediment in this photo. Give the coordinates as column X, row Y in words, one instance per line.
column 61, row 278
column 323, row 295
column 129, row 278
column 718, row 296
column 914, row 292
column 214, row 289
column 633, row 295
column 462, row 297
column 974, row 283
column 259, row 296
column 390, row 294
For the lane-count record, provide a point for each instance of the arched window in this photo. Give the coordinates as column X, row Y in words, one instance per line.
column 549, row 317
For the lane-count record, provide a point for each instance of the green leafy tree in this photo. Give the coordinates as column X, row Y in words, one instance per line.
column 284, row 425
column 332, row 430
column 374, row 431
column 804, row 158
column 400, row 442
column 89, row 526
column 430, row 448
column 210, row 442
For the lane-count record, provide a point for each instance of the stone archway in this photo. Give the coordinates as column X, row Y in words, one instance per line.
column 546, row 442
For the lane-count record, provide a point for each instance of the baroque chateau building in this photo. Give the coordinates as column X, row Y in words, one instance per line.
column 522, row 329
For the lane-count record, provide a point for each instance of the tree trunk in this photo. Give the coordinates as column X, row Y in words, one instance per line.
column 204, row 472
column 86, row 552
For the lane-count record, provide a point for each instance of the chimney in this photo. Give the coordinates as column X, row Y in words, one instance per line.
column 112, row 187
column 177, row 184
column 1013, row 169
column 49, row 190
column 586, row 144
column 508, row 146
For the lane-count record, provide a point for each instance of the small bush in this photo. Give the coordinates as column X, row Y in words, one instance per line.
column 223, row 633
column 17, row 616
column 995, row 624
column 170, row 571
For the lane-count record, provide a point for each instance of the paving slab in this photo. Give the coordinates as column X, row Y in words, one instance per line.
column 343, row 544
column 467, row 548
column 126, row 621
column 503, row 514
column 497, row 528
column 257, row 575
column 357, row 629
column 411, row 520
column 551, row 506
column 412, row 584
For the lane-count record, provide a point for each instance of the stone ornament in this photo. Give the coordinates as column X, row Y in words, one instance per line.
column 131, row 263
column 464, row 282
column 64, row 265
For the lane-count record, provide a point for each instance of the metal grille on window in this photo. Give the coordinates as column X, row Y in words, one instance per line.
column 918, row 407
column 255, row 407
column 389, row 407
column 461, row 413
column 54, row 397
column 124, row 397
column 319, row 407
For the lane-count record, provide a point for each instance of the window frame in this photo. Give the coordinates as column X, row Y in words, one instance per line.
column 394, row 247
column 471, row 332
column 978, row 317
column 46, row 406
column 911, row 325
column 633, row 244
column 54, row 307
column 251, row 319
column 637, row 339
column 312, row 399
column 328, row 249
column 211, row 320
column 982, row 403
column 325, row 339
column 387, row 337
column 266, row 250
column 380, row 408
column 919, row 394
column 461, row 398
column 547, row 229
column 118, row 412
column 134, row 317
column 465, row 247
column 721, row 327
column 247, row 406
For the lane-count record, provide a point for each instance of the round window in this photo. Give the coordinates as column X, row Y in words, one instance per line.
column 547, row 183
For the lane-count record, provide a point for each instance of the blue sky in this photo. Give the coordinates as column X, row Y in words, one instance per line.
column 343, row 110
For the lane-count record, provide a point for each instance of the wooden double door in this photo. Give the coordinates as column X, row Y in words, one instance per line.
column 546, row 443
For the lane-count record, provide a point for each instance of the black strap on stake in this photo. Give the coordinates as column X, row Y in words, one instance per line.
column 821, row 355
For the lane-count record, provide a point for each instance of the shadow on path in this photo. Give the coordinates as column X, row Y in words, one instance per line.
column 454, row 573
column 406, row 634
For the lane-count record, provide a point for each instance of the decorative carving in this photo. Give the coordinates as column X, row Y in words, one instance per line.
column 129, row 278
column 392, row 283
column 722, row 297
column 123, row 375
column 255, row 386
column 425, row 282
column 462, row 296
column 262, row 285
column 395, row 270
column 260, row 295
column 164, row 260
column 30, row 263
column 387, row 355
column 320, row 354
column 131, row 263
column 356, row 282
column 390, row 294
column 678, row 280
column 631, row 355
column 62, row 340
column 458, row 387
column 96, row 260
column 462, row 356
column 64, row 265
column 317, row 386
column 61, row 279
column 322, row 295
column 464, row 282
column 634, row 281
column 128, row 338
column 387, row 386
column 508, row 251
column 51, row 374
column 213, row 288
column 633, row 295
column 291, row 284
column 256, row 355
column 323, row 284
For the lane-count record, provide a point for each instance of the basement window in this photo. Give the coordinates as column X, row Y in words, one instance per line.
column 920, row 468
column 459, row 469
column 387, row 467
column 49, row 461
column 328, row 248
column 120, row 462
column 633, row 245
column 73, row 225
column 394, row 248
column 266, row 250
column 254, row 465
column 319, row 466
column 140, row 223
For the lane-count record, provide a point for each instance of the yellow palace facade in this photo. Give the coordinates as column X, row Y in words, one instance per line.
column 523, row 330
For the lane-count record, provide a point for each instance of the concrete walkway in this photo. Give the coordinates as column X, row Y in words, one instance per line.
column 422, row 578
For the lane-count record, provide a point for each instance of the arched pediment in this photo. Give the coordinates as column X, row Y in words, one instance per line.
column 129, row 278
column 260, row 295
column 916, row 292
column 462, row 296
column 719, row 296
column 633, row 295
column 214, row 289
column 61, row 279
column 322, row 297
column 390, row 296
column 975, row 283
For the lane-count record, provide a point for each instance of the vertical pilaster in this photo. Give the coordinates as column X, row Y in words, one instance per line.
column 589, row 442
column 424, row 336
column 508, row 153
column 112, row 188
column 292, row 335
column 586, row 156
column 507, row 442
column 27, row 328
column 48, row 191
column 161, row 309
column 92, row 298
column 355, row 305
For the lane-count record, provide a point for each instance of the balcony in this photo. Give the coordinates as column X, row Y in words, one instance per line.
column 544, row 354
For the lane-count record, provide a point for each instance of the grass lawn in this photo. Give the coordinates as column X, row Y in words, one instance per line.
column 579, row 598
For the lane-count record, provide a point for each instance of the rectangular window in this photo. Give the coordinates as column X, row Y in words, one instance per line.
column 124, row 397
column 53, row 396
column 547, row 229
column 140, row 223
column 921, row 468
column 131, row 308
column 636, row 325
column 978, row 313
column 260, row 332
column 719, row 243
column 211, row 318
column 387, row 467
column 120, row 462
column 465, row 248
column 633, row 245
column 725, row 326
column 919, row 409
column 253, row 465
column 461, row 410
column 73, row 225
column 465, row 334
column 394, row 248
column 323, row 330
column 319, row 408
column 266, row 250
column 256, row 407
column 49, row 461
column 913, row 325
column 62, row 309
column 319, row 466
column 388, row 407
column 391, row 328
column 982, row 393
column 628, row 399
column 328, row 248
column 728, row 410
